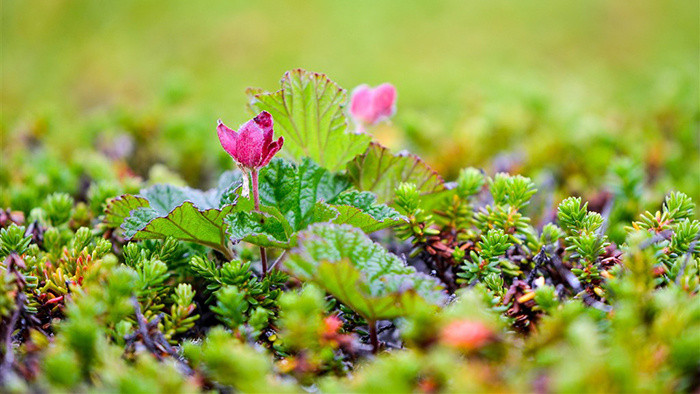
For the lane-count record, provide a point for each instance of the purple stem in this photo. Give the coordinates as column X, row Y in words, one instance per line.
column 256, row 199
column 373, row 339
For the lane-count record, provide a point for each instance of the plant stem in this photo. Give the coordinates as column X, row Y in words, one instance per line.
column 8, row 356
column 263, row 260
column 256, row 199
column 373, row 336
column 226, row 252
column 279, row 259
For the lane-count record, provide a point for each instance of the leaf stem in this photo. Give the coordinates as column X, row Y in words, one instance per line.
column 256, row 199
column 226, row 252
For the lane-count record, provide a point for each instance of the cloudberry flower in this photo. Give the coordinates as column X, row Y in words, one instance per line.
column 251, row 146
column 372, row 105
column 466, row 335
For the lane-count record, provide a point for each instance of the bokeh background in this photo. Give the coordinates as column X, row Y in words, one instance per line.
column 587, row 97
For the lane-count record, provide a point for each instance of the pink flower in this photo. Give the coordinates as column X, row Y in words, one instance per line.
column 370, row 106
column 251, row 146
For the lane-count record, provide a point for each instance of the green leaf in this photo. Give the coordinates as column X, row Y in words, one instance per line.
column 295, row 196
column 295, row 189
column 309, row 112
column 183, row 213
column 292, row 197
column 268, row 229
column 185, row 222
column 119, row 208
column 380, row 171
column 359, row 209
column 360, row 273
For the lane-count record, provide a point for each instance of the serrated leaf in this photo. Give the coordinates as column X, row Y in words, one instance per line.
column 380, row 171
column 119, row 208
column 357, row 218
column 184, row 213
column 359, row 209
column 292, row 197
column 299, row 195
column 185, row 222
column 267, row 229
column 360, row 273
column 295, row 189
column 309, row 112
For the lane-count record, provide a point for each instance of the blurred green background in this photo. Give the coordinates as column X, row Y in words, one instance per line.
column 561, row 90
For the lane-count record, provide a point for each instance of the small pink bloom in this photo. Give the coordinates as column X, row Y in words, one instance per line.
column 251, row 146
column 370, row 106
column 466, row 335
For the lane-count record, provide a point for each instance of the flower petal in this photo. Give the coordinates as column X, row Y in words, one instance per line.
column 384, row 101
column 264, row 121
column 272, row 149
column 361, row 104
column 249, row 149
column 227, row 137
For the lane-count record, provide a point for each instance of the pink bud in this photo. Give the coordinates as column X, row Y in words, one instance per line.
column 252, row 145
column 370, row 106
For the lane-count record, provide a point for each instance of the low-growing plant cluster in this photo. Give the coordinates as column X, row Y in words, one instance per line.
column 322, row 261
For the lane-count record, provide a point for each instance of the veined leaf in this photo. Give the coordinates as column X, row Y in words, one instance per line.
column 295, row 196
column 186, row 214
column 295, row 189
column 268, row 228
column 185, row 222
column 357, row 218
column 359, row 209
column 360, row 273
column 292, row 197
column 309, row 112
column 380, row 171
column 120, row 208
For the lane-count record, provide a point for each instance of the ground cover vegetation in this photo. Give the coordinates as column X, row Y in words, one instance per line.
column 323, row 260
column 514, row 211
